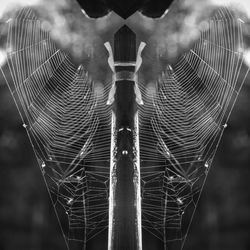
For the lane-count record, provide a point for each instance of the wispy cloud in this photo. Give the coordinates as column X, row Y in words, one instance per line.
column 10, row 5
column 69, row 27
column 241, row 5
column 181, row 26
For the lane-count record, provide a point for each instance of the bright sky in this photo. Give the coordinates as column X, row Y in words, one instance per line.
column 6, row 5
column 241, row 4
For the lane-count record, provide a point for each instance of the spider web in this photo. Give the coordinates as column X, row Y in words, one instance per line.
column 68, row 126
column 181, row 125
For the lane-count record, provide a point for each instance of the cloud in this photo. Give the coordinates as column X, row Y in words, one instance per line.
column 65, row 21
column 3, row 57
column 241, row 5
column 180, row 27
column 69, row 27
column 10, row 5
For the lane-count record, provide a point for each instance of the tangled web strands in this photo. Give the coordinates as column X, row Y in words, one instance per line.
column 62, row 117
column 182, row 124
